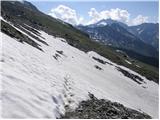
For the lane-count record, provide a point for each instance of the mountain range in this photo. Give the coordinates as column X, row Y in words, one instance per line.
column 142, row 39
column 147, row 32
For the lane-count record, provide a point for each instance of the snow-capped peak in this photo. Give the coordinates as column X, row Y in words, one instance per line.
column 105, row 22
column 102, row 23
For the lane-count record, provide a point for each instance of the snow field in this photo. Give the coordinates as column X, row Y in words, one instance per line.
column 36, row 85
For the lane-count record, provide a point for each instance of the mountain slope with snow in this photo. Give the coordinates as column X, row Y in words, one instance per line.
column 39, row 84
column 22, row 14
column 48, row 65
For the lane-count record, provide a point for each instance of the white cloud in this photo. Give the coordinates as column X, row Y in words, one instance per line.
column 70, row 15
column 94, row 15
column 139, row 20
column 115, row 14
column 66, row 14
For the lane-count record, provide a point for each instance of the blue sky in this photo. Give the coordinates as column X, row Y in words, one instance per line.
column 144, row 8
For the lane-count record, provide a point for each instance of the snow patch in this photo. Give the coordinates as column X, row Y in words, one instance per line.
column 128, row 62
column 102, row 23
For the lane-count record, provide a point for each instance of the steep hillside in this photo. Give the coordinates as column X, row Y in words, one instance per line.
column 43, row 83
column 50, row 67
column 22, row 14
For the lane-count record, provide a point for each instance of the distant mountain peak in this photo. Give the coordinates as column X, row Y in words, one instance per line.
column 109, row 22
column 104, row 22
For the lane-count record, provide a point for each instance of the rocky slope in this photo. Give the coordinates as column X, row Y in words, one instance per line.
column 103, row 109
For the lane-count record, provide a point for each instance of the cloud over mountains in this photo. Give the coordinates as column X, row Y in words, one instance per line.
column 115, row 14
column 71, row 16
